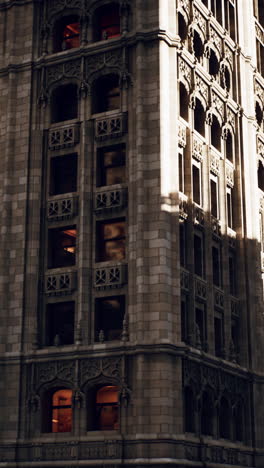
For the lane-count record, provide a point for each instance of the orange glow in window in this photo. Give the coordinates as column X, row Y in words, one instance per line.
column 62, row 411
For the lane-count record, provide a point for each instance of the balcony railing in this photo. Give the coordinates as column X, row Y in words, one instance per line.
column 59, row 284
column 197, row 146
column 63, row 208
column 114, row 200
column 200, row 289
column 63, row 137
column 218, row 298
column 112, row 126
column 182, row 134
column 185, row 280
column 110, row 277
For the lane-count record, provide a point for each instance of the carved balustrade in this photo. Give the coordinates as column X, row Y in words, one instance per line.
column 110, row 277
column 185, row 280
column 62, row 208
column 63, row 137
column 200, row 289
column 111, row 126
column 115, row 199
column 59, row 284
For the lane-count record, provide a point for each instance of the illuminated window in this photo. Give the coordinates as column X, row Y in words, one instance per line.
column 111, row 240
column 63, row 174
column 111, row 166
column 57, row 411
column 59, row 324
column 199, row 118
column 107, row 22
column 67, row 33
column 64, row 103
column 107, row 417
column 109, row 316
column 106, row 94
column 62, row 247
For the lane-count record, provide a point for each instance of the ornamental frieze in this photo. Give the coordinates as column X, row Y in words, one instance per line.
column 63, row 71
column 185, row 72
column 106, row 367
column 60, row 370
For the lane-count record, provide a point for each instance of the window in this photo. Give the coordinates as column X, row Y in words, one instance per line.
column 239, row 421
column 109, row 316
column 224, row 419
column 216, row 265
column 207, row 413
column 189, row 410
column 184, row 102
column 214, row 196
column 259, row 11
column 111, row 166
column 232, row 273
column 181, row 161
column 261, row 176
column 260, row 56
column 229, row 146
column 182, row 27
column 229, row 202
column 62, row 247
column 230, row 25
column 106, row 22
column 198, row 46
column 216, row 7
column 64, row 103
column 59, row 324
column 106, row 94
column 200, row 321
column 261, row 230
column 184, row 332
column 102, row 408
column 183, row 244
column 216, row 134
column 111, row 240
column 199, row 118
column 57, row 411
column 66, row 34
column 218, row 332
column 213, row 63
column 196, row 180
column 63, row 174
column 259, row 114
column 235, row 334
column 198, row 255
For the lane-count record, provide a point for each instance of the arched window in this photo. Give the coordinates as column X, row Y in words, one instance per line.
column 225, row 80
column 229, row 147
column 213, row 63
column 106, row 24
column 66, row 33
column 106, row 94
column 216, row 134
column 239, row 421
column 102, row 408
column 224, row 419
column 261, row 176
column 198, row 46
column 207, row 413
column 184, row 102
column 189, row 410
column 64, row 103
column 182, row 27
column 57, row 411
column 259, row 114
column 199, row 118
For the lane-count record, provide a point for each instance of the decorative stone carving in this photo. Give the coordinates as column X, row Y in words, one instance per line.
column 181, row 134
column 215, row 40
column 229, row 174
column 55, row 6
column 214, row 162
column 113, row 126
column 260, row 147
column 202, row 88
column 185, row 73
column 229, row 56
column 183, row 212
column 218, row 105
column 198, row 216
column 200, row 289
column 110, row 277
column 259, row 92
column 63, row 72
column 184, row 279
column 218, row 298
column 184, row 8
column 110, row 200
column 56, row 370
column 259, row 33
column 34, row 403
column 93, row 368
column 216, row 227
column 199, row 22
column 197, row 147
column 60, row 283
column 63, row 137
column 62, row 209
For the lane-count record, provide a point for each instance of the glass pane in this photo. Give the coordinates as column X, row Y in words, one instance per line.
column 115, row 250
column 115, row 175
column 62, row 411
column 114, row 230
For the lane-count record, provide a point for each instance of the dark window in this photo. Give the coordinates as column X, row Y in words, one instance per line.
column 239, row 422
column 109, row 316
column 214, row 197
column 184, row 102
column 66, row 33
column 199, row 118
column 106, row 22
column 64, row 103
column 184, row 321
column 189, row 407
column 111, row 239
column 229, row 147
column 198, row 46
column 260, row 56
column 200, row 321
column 205, row 2
column 216, row 7
column 183, row 244
column 229, row 197
column 62, row 247
column 216, row 134
column 196, row 176
column 60, row 324
column 181, row 170
column 198, row 255
column 63, row 174
column 182, row 27
column 213, row 63
column 106, row 94
column 232, row 274
column 225, row 78
column 235, row 334
column 261, row 176
column 207, row 414
column 111, row 166
column 218, row 330
column 224, row 419
column 57, row 411
column 260, row 15
column 259, row 114
column 216, row 261
column 230, row 19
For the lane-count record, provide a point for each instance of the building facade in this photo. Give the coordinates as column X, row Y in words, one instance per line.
column 132, row 233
